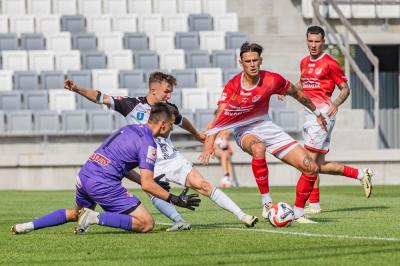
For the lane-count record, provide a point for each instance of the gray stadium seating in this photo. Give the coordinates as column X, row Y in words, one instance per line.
column 19, row 122
column 32, row 41
column 73, row 122
column 93, row 60
column 200, row 22
column 203, row 118
column 84, row 41
column 52, row 80
column 197, row 59
column 100, row 121
column 73, row 23
column 2, row 123
column 176, row 98
column 224, row 59
column 81, row 77
column 36, row 100
column 230, row 73
column 131, row 79
column 26, row 80
column 188, row 114
column 187, row 40
column 8, row 41
column 185, row 78
column 10, row 100
column 287, row 119
column 120, row 120
column 83, row 103
column 234, row 40
column 138, row 92
column 136, row 41
column 275, row 103
column 46, row 122
column 146, row 60
column 149, row 71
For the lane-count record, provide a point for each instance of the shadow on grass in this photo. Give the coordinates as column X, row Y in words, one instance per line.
column 358, row 209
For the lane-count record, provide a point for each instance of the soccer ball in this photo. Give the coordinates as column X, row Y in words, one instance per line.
column 280, row 214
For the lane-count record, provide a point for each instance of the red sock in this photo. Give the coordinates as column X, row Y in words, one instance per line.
column 314, row 197
column 303, row 190
column 260, row 171
column 350, row 172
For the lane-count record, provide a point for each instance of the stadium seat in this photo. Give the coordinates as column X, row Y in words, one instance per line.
column 212, row 40
column 26, row 80
column 61, row 99
column 105, row 79
column 131, row 79
column 46, row 122
column 93, row 60
column 234, row 40
column 32, row 41
column 121, row 60
column 73, row 122
column 15, row 60
column 100, row 121
column 172, row 59
column 8, row 41
column 161, row 41
column 73, row 23
column 176, row 22
column 39, row 7
column 229, row 74
column 214, row 94
column 147, row 73
column 165, row 7
column 189, row 6
column 209, row 78
column 124, row 23
column 387, row 11
column 363, row 10
column 187, row 40
column 308, row 11
column 13, row 7
column 146, row 59
column 6, row 80
column 68, row 60
column 275, row 103
column 138, row 92
column 36, row 100
column 66, row 7
column 10, row 100
column 109, row 42
column 117, row 92
column 136, row 41
column 48, row 24
column 115, row 7
column 286, row 118
column 19, row 122
column 176, row 98
column 226, row 22
column 52, row 80
column 41, row 60
column 188, row 114
column 203, row 118
column 345, row 8
column 197, row 59
column 150, row 23
column 98, row 23
column 90, row 7
column 194, row 98
column 84, row 41
column 214, row 7
column 200, row 22
column 4, row 25
column 224, row 59
column 2, row 123
column 185, row 78
column 142, row 7
column 83, row 103
column 22, row 24
column 82, row 77
column 120, row 120
column 59, row 42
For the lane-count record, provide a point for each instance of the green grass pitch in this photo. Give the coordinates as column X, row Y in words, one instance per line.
column 351, row 231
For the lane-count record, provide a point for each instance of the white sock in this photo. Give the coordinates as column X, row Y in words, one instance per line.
column 314, row 205
column 94, row 217
column 360, row 174
column 298, row 212
column 266, row 198
column 222, row 200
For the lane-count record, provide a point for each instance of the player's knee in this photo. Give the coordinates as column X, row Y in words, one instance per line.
column 148, row 225
column 205, row 186
column 312, row 169
column 258, row 150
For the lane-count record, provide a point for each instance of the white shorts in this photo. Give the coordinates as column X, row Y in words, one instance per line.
column 175, row 169
column 315, row 138
column 277, row 141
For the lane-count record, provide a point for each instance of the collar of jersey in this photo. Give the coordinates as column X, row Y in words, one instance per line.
column 315, row 60
column 241, row 83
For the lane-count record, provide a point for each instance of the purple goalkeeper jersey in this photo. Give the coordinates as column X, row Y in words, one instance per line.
column 130, row 147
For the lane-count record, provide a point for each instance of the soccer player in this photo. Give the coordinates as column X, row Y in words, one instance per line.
column 223, row 151
column 99, row 181
column 170, row 162
column 244, row 106
column 319, row 75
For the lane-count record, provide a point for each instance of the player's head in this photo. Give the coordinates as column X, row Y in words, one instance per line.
column 161, row 120
column 250, row 58
column 315, row 40
column 161, row 86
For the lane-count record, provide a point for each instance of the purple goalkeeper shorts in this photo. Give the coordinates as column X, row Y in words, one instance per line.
column 111, row 197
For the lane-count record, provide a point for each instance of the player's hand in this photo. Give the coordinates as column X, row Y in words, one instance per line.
column 207, row 153
column 281, row 97
column 201, row 136
column 70, row 85
column 322, row 122
column 164, row 184
column 185, row 201
column 333, row 109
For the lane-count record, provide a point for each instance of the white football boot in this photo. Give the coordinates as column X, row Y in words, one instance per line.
column 366, row 182
column 249, row 220
column 179, row 226
column 312, row 210
column 304, row 220
column 87, row 217
column 24, row 228
column 265, row 210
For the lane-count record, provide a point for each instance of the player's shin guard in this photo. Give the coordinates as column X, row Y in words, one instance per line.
column 52, row 219
column 116, row 220
column 352, row 172
column 167, row 209
column 222, row 200
column 303, row 190
column 260, row 171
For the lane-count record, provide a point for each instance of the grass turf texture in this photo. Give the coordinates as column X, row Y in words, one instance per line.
column 214, row 239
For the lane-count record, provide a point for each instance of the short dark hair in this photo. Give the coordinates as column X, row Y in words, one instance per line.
column 160, row 77
column 316, row 30
column 160, row 111
column 251, row 47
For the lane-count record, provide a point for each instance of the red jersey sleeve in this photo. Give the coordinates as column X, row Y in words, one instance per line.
column 226, row 93
column 280, row 85
column 336, row 73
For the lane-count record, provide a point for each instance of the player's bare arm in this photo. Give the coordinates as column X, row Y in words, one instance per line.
column 187, row 125
column 344, row 93
column 92, row 95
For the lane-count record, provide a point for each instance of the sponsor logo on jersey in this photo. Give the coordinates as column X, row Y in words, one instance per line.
column 151, row 155
column 139, row 116
column 311, row 65
column 318, row 71
column 256, row 98
column 244, row 100
column 100, row 159
column 245, row 93
column 223, row 97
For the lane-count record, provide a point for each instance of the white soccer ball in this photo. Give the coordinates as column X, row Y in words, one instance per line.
column 281, row 214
